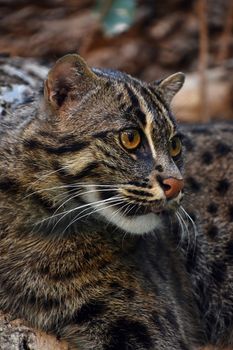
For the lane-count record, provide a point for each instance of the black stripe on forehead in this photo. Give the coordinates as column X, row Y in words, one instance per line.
column 153, row 107
column 161, row 100
column 153, row 101
column 157, row 95
column 135, row 105
column 156, row 102
column 165, row 105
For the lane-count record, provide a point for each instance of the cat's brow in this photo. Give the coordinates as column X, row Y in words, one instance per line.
column 103, row 134
column 148, row 106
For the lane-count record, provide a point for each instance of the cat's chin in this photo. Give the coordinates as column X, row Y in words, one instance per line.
column 136, row 224
column 140, row 224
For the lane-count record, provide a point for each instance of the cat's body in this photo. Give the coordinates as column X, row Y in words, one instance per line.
column 93, row 283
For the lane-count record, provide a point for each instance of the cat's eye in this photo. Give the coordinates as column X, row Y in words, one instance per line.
column 130, row 139
column 175, row 147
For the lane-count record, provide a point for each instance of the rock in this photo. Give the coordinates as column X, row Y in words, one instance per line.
column 16, row 335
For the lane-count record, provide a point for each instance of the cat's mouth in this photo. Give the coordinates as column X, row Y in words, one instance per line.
column 144, row 201
column 139, row 209
column 158, row 208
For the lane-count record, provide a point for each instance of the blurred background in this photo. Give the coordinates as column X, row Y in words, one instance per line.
column 149, row 39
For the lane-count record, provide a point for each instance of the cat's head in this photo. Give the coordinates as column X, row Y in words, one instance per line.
column 116, row 144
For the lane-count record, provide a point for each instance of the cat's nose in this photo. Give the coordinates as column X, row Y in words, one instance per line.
column 172, row 187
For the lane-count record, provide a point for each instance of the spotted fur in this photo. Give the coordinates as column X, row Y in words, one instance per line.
column 74, row 205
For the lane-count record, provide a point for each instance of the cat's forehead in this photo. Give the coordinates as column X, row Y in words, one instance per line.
column 128, row 102
column 91, row 100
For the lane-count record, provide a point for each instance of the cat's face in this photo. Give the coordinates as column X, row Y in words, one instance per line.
column 123, row 156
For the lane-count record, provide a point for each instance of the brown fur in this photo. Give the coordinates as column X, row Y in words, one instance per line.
column 92, row 283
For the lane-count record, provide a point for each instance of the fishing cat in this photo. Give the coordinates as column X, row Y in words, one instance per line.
column 96, row 245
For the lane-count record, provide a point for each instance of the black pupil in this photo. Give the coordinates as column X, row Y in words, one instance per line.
column 130, row 136
column 174, row 143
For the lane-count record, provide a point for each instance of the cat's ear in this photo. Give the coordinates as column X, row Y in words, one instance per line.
column 170, row 86
column 70, row 76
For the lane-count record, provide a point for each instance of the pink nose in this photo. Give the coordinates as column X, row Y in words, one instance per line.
column 172, row 187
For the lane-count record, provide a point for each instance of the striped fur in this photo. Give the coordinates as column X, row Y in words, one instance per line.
column 75, row 139
column 71, row 194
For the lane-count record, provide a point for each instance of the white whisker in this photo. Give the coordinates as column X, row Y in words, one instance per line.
column 48, row 174
column 181, row 225
column 77, row 218
column 80, row 194
column 64, row 213
column 75, row 186
column 192, row 223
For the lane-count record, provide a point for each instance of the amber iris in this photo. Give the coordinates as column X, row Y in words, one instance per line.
column 130, row 139
column 175, row 146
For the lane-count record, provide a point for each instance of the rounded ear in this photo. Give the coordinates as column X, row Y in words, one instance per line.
column 170, row 86
column 69, row 76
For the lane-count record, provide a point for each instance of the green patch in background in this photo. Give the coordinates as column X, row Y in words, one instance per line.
column 116, row 15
